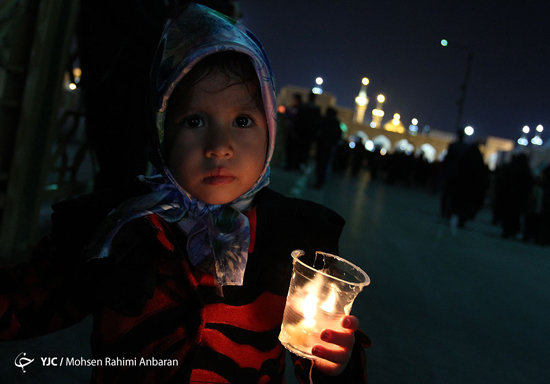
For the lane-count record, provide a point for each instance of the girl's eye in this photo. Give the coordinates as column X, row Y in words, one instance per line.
column 193, row 122
column 243, row 122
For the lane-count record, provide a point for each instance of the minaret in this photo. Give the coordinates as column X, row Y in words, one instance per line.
column 378, row 113
column 395, row 125
column 361, row 102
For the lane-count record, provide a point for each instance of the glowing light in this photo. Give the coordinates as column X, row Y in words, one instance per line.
column 396, row 116
column 369, row 145
column 319, row 80
column 365, row 81
column 310, row 307
column 330, row 303
column 539, row 128
column 444, row 42
column 536, row 140
column 343, row 127
column 72, row 86
column 414, row 121
column 469, row 130
column 361, row 101
column 352, row 144
column 525, row 129
column 377, row 112
column 317, row 90
column 281, row 109
column 77, row 72
column 383, row 151
column 522, row 141
column 373, row 124
column 381, row 98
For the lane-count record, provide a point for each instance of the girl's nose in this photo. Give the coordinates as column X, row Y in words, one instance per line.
column 219, row 143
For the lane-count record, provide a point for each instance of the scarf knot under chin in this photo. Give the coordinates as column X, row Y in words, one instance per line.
column 218, row 234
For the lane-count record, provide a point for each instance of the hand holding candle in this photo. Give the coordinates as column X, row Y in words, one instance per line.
column 334, row 359
column 316, row 322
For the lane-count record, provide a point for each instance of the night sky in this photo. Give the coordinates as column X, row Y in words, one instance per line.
column 397, row 45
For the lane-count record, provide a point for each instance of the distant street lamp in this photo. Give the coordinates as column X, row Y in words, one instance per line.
column 317, row 89
column 537, row 140
column 469, row 130
column 523, row 139
column 413, row 128
column 464, row 86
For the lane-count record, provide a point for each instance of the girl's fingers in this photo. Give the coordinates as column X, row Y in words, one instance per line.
column 338, row 356
column 335, row 358
column 342, row 339
column 350, row 322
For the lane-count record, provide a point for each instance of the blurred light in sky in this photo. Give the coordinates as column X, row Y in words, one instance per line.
column 469, row 130
column 444, row 42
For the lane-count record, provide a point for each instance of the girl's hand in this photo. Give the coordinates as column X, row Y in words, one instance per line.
column 334, row 360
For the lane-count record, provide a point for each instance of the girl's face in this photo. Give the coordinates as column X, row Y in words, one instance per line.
column 219, row 148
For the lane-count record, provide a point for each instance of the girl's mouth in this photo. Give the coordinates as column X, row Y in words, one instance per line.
column 219, row 176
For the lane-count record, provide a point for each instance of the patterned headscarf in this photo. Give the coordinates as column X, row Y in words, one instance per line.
column 218, row 234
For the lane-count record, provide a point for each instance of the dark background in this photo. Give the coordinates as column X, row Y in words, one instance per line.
column 397, row 45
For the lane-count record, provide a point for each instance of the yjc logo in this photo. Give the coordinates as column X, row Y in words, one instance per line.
column 46, row 361
column 22, row 361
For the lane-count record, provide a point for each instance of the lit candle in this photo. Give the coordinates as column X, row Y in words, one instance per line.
column 305, row 333
column 318, row 298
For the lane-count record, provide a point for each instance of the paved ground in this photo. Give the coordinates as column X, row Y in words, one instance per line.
column 443, row 307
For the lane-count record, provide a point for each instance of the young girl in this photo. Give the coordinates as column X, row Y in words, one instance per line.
column 191, row 270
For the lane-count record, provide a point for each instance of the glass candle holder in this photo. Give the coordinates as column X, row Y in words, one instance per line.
column 322, row 290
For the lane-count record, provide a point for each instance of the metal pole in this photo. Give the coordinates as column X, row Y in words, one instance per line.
column 463, row 89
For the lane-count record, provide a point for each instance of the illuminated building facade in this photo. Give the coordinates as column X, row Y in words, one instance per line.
column 394, row 136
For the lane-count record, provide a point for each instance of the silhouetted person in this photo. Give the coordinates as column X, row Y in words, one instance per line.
column 473, row 180
column 517, row 182
column 117, row 41
column 455, row 151
column 533, row 228
column 545, row 214
column 341, row 156
column 465, row 182
column 328, row 135
column 358, row 155
column 307, row 121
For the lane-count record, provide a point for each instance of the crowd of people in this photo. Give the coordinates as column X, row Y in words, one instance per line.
column 518, row 197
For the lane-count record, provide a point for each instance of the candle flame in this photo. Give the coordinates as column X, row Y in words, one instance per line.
column 330, row 303
column 309, row 308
